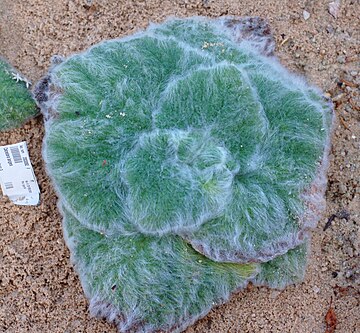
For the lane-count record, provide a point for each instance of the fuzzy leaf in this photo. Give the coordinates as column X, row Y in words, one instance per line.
column 16, row 103
column 284, row 270
column 146, row 284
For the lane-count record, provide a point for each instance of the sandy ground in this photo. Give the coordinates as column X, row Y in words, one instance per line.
column 39, row 291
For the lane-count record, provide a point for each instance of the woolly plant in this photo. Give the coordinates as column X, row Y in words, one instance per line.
column 16, row 102
column 187, row 163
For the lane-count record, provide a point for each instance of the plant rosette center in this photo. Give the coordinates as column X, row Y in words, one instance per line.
column 177, row 179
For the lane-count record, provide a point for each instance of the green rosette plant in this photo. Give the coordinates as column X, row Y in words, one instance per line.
column 16, row 102
column 187, row 162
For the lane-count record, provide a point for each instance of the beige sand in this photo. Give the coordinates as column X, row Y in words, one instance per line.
column 39, row 291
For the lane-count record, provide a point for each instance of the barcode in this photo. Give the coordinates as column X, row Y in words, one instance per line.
column 8, row 185
column 15, row 152
column 26, row 161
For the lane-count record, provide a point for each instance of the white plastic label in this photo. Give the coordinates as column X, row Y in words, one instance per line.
column 17, row 178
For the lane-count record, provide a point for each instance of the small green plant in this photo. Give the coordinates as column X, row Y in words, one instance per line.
column 187, row 163
column 16, row 102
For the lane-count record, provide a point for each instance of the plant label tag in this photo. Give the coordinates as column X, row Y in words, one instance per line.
column 17, row 178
